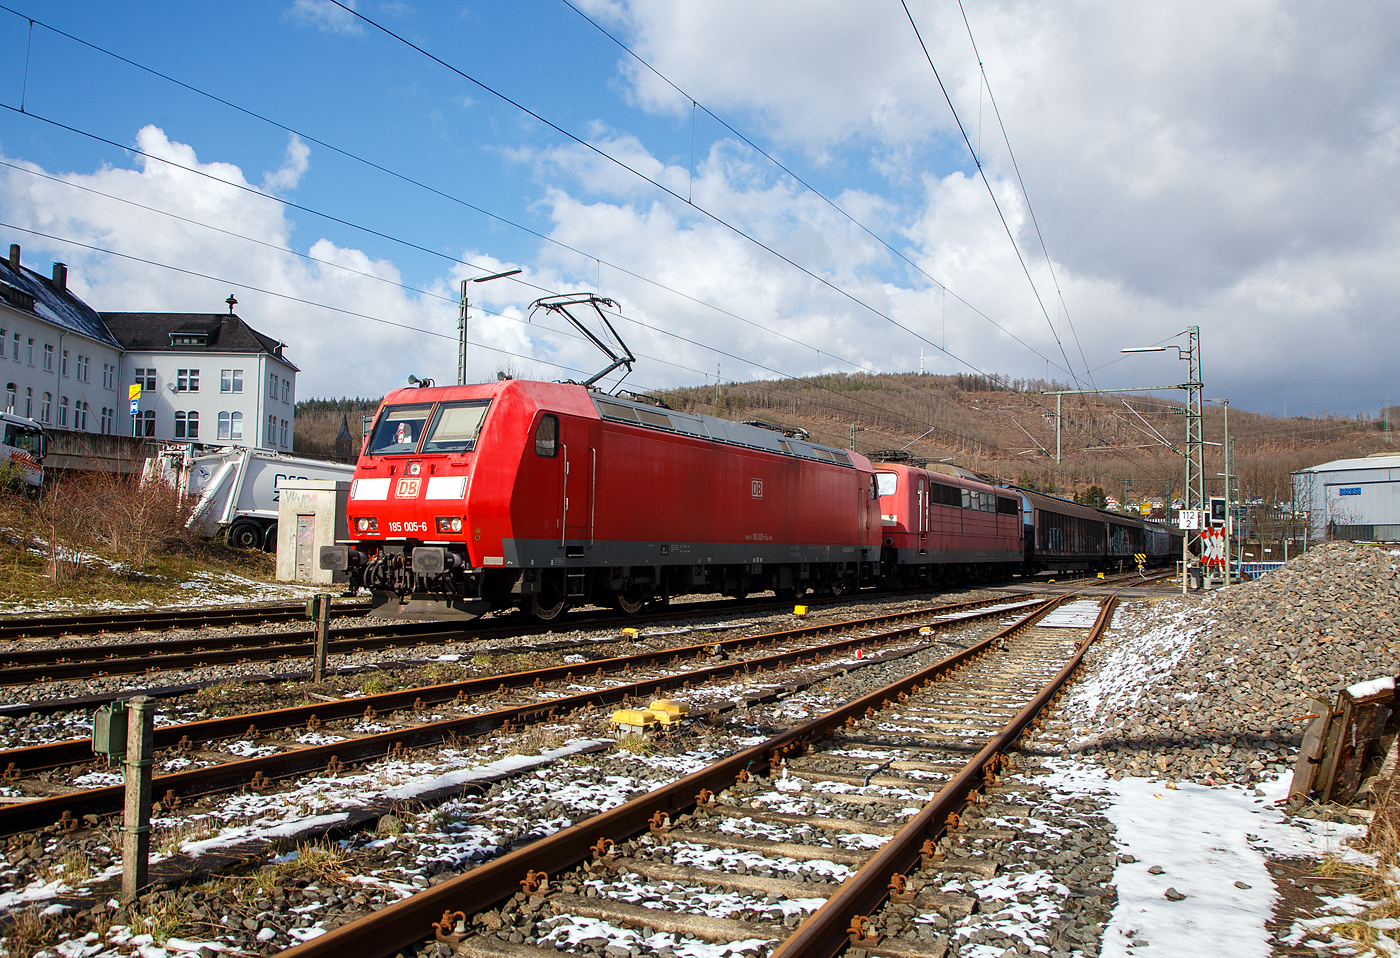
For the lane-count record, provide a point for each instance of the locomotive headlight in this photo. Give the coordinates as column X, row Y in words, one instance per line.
column 447, row 524
column 366, row 524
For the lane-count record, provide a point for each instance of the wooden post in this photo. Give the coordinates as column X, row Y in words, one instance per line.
column 323, row 631
column 136, row 824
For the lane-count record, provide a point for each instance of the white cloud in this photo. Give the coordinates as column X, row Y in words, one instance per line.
column 293, row 168
column 324, row 16
column 1230, row 164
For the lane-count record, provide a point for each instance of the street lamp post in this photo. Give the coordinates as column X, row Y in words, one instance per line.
column 1195, row 467
column 462, row 323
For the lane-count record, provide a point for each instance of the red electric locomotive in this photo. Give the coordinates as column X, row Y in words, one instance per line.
column 938, row 527
column 537, row 495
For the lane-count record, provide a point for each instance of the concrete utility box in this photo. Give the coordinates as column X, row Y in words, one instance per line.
column 310, row 514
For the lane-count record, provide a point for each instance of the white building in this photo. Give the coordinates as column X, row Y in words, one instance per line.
column 58, row 360
column 1356, row 499
column 206, row 378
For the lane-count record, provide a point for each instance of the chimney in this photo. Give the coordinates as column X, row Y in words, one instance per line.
column 60, row 276
column 14, row 256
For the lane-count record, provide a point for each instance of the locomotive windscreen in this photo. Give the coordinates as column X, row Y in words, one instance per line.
column 399, row 429
column 455, row 426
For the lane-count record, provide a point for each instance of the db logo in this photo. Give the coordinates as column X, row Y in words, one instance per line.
column 407, row 489
column 756, row 488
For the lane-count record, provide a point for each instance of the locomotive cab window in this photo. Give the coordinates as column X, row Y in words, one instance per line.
column 456, row 426
column 888, row 482
column 399, row 430
column 547, row 437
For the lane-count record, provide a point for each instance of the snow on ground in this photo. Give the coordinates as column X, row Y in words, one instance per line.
column 1212, row 845
column 200, row 590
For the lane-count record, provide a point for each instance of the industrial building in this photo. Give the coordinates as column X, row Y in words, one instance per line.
column 1352, row 499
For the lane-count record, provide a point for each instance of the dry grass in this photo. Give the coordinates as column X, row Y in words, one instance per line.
column 375, row 683
column 319, row 862
column 168, row 840
column 71, row 866
column 536, row 739
column 30, row 933
column 636, row 745
column 101, row 537
column 162, row 919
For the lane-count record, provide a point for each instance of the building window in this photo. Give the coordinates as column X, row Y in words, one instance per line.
column 236, row 425
column 272, row 385
column 109, row 376
column 31, row 350
column 149, row 418
column 223, row 426
column 230, row 380
column 187, row 380
column 63, row 363
column 192, row 421
column 106, row 421
column 28, row 402
column 83, row 368
column 47, row 408
column 81, row 423
column 2, row 343
column 271, row 430
column 180, row 425
column 48, row 358
column 10, row 390
column 16, row 347
column 145, row 378
column 62, row 411
column 283, row 441
column 286, row 390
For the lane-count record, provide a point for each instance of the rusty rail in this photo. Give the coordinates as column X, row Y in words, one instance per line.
column 405, row 923
column 37, row 758
column 260, row 772
column 826, row 931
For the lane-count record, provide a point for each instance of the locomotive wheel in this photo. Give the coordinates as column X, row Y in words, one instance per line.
column 547, row 608
column 629, row 601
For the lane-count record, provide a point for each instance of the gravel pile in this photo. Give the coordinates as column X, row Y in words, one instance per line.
column 1214, row 690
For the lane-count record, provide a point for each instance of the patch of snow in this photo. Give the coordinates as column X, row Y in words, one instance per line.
column 1206, row 840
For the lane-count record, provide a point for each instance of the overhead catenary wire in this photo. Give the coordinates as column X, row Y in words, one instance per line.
column 996, row 111
column 543, row 237
column 799, row 180
column 645, row 279
column 708, row 214
column 410, row 180
column 990, row 192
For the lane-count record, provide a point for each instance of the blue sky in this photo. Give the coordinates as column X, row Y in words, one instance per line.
column 1228, row 165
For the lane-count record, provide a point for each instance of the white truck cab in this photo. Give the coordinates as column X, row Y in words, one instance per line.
column 25, row 444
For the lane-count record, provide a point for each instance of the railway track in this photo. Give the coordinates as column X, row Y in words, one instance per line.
column 828, row 834
column 411, row 712
column 97, row 624
column 80, row 662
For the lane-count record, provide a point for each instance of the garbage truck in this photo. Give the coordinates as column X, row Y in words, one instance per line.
column 236, row 488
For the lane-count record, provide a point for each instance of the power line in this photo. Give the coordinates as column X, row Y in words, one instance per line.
column 391, row 238
column 431, row 189
column 392, row 173
column 990, row 192
column 713, row 217
column 798, row 179
column 996, row 111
